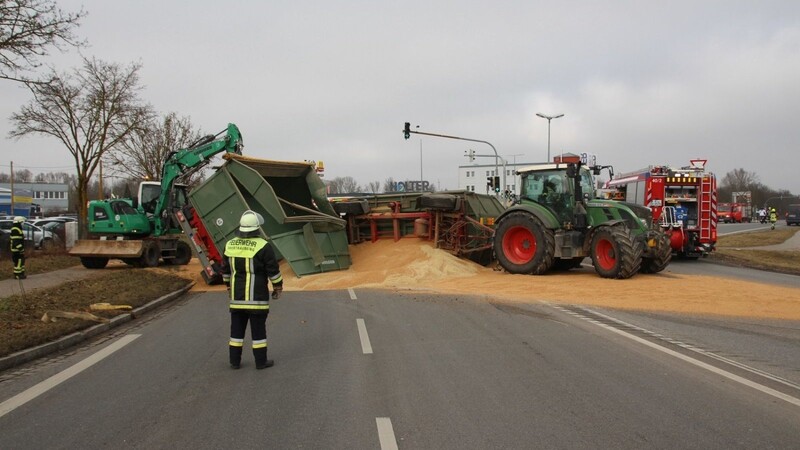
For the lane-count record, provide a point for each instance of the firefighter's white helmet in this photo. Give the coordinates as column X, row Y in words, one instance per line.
column 250, row 221
column 19, row 219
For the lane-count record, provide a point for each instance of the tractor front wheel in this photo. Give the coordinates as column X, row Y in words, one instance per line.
column 523, row 244
column 615, row 254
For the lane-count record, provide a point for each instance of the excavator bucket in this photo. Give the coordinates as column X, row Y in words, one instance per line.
column 107, row 248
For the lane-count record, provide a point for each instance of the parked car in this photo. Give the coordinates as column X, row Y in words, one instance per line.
column 46, row 220
column 41, row 239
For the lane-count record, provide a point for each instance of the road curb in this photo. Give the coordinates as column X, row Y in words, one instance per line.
column 23, row 356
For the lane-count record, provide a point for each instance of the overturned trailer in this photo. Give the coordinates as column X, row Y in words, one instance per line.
column 298, row 219
column 461, row 222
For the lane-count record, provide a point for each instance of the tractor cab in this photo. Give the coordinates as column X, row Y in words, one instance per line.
column 554, row 186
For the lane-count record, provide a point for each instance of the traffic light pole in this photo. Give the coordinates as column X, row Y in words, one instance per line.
column 407, row 131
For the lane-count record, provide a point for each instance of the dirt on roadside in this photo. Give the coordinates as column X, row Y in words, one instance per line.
column 415, row 265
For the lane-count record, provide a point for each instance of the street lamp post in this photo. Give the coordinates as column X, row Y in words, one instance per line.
column 549, row 118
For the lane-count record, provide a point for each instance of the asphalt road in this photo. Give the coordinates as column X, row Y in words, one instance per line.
column 374, row 369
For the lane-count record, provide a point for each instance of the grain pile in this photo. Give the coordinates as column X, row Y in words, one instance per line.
column 412, row 264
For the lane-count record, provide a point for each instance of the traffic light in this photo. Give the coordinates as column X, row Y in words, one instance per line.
column 489, row 183
column 496, row 184
column 471, row 155
column 407, row 130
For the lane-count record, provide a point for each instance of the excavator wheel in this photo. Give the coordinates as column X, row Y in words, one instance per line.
column 150, row 254
column 92, row 262
column 662, row 255
column 615, row 253
column 183, row 254
column 523, row 244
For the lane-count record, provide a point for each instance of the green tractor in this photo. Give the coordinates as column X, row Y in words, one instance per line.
column 557, row 223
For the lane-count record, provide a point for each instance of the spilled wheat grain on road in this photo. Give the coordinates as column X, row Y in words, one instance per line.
column 415, row 265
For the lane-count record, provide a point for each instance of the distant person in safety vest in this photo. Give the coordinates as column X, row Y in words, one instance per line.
column 773, row 217
column 251, row 265
column 17, row 240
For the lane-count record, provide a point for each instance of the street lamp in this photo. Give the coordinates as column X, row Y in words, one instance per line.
column 549, row 118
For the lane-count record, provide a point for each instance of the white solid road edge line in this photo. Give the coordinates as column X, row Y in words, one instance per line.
column 386, row 433
column 39, row 389
column 759, row 387
column 352, row 293
column 366, row 347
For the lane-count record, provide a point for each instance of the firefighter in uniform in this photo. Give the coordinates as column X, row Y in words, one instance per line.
column 773, row 217
column 18, row 248
column 251, row 264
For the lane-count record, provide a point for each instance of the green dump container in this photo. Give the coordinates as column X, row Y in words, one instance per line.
column 298, row 219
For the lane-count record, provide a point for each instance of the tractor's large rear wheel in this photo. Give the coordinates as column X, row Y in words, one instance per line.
column 662, row 255
column 523, row 244
column 615, row 253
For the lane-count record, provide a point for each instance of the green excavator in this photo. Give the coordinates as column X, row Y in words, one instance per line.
column 143, row 230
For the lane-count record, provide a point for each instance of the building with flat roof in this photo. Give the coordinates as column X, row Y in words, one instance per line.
column 475, row 177
column 52, row 197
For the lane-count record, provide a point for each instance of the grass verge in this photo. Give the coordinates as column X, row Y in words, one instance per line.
column 38, row 261
column 734, row 250
column 21, row 316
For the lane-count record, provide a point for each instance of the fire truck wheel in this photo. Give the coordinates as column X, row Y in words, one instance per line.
column 615, row 254
column 662, row 254
column 523, row 244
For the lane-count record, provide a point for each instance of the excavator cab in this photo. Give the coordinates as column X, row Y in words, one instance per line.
column 116, row 217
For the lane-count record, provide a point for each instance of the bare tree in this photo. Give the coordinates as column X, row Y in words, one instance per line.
column 143, row 153
column 389, row 185
column 23, row 176
column 90, row 111
column 374, row 187
column 343, row 185
column 28, row 28
column 740, row 180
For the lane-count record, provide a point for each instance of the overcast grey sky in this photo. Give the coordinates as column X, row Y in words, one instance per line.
column 639, row 82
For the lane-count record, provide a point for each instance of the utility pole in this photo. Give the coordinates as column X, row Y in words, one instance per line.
column 12, row 188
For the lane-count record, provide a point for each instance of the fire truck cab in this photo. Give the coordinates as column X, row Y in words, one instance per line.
column 683, row 199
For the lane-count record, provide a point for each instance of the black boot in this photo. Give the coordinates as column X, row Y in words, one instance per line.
column 235, row 354
column 261, row 358
column 265, row 364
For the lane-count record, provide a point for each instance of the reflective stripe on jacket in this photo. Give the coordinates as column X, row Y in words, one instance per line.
column 252, row 265
column 17, row 240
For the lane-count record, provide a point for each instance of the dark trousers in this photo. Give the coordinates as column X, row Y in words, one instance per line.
column 18, row 258
column 258, row 333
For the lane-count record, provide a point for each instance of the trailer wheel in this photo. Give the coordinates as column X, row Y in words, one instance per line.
column 523, row 244
column 662, row 254
column 183, row 254
column 91, row 262
column 150, row 254
column 615, row 254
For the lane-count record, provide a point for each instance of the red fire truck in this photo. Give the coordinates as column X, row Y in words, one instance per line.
column 733, row 212
column 683, row 200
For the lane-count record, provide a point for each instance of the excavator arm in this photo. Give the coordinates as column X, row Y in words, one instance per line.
column 185, row 161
